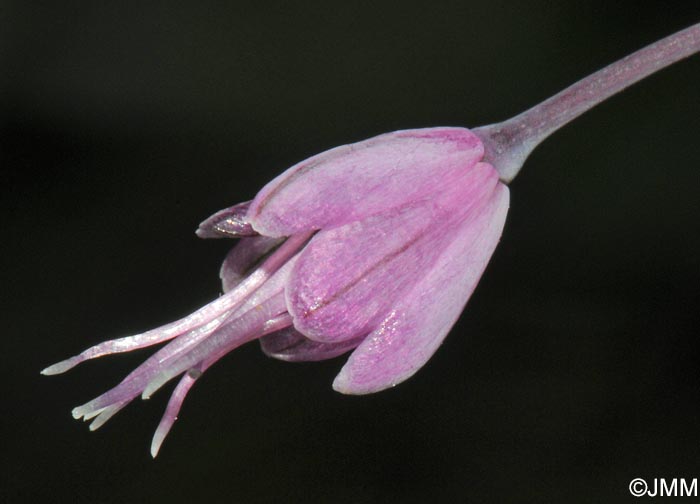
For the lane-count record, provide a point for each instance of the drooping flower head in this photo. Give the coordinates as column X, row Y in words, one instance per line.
column 374, row 246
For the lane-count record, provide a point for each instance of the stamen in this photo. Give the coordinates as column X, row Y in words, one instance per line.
column 134, row 382
column 106, row 414
column 257, row 310
column 232, row 333
column 173, row 408
column 204, row 315
column 188, row 379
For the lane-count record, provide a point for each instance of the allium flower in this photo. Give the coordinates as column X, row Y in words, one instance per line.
column 373, row 247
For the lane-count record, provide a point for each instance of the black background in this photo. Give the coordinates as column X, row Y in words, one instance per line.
column 575, row 366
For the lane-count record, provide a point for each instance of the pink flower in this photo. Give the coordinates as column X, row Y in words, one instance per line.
column 374, row 246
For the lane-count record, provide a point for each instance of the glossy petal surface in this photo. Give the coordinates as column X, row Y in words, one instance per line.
column 348, row 278
column 227, row 223
column 356, row 181
column 414, row 329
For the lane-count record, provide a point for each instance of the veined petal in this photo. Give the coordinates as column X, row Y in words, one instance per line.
column 355, row 181
column 419, row 322
column 348, row 278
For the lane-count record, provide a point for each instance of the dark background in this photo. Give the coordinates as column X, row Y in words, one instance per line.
column 574, row 368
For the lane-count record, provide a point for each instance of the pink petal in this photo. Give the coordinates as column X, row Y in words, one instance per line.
column 227, row 223
column 348, row 278
column 355, row 181
column 417, row 325
column 292, row 346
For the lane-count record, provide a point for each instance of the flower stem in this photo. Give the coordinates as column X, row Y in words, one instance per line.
column 510, row 142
